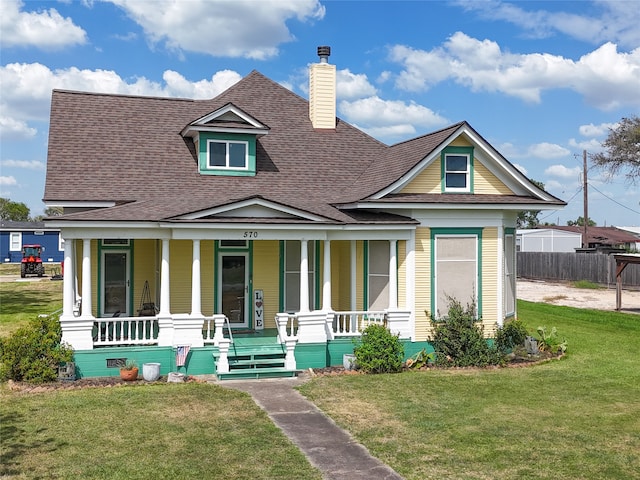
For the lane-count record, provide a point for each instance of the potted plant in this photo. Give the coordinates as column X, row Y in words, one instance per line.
column 129, row 371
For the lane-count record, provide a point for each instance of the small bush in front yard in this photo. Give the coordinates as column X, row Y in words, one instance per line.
column 33, row 353
column 379, row 351
column 511, row 334
column 549, row 341
column 458, row 339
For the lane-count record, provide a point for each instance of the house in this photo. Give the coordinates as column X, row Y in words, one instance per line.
column 547, row 240
column 13, row 235
column 259, row 223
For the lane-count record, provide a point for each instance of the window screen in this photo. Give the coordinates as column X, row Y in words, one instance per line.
column 378, row 277
column 456, row 271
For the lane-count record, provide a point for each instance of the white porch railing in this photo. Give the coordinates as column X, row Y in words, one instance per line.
column 352, row 323
column 125, row 331
column 287, row 324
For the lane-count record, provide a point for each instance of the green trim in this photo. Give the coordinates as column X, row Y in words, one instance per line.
column 316, row 275
column 130, row 250
column 456, row 150
column 509, row 231
column 217, row 250
column 365, row 272
column 281, row 277
column 464, row 232
column 203, row 140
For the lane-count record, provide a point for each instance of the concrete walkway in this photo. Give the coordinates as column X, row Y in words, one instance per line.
column 329, row 448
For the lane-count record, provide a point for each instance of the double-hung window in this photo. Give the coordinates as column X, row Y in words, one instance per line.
column 457, row 170
column 232, row 155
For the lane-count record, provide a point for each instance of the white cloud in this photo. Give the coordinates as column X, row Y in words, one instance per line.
column 15, row 130
column 24, row 164
column 257, row 28
column 605, row 77
column 547, row 150
column 351, row 85
column 562, row 171
column 7, row 181
column 592, row 130
column 25, row 89
column 45, row 29
column 611, row 19
column 389, row 119
column 591, row 145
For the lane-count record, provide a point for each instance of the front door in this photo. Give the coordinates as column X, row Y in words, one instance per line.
column 115, row 283
column 233, row 288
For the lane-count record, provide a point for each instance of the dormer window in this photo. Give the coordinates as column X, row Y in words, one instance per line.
column 457, row 170
column 224, row 154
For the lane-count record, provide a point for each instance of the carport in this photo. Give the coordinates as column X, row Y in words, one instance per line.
column 622, row 260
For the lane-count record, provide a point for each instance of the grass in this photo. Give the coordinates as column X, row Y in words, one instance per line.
column 578, row 417
column 159, row 431
column 23, row 301
column 586, row 284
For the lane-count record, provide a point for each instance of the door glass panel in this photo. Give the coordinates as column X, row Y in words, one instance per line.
column 233, row 288
column 115, row 283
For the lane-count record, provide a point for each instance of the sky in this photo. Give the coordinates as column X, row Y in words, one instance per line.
column 541, row 81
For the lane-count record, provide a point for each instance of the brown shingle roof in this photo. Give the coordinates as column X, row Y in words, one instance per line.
column 129, row 150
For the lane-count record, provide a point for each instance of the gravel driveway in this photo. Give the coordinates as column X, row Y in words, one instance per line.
column 569, row 296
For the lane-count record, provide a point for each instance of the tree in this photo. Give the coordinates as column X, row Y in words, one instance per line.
column 622, row 147
column 49, row 212
column 580, row 222
column 529, row 218
column 15, row 211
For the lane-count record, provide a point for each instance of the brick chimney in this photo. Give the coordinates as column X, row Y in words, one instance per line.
column 322, row 91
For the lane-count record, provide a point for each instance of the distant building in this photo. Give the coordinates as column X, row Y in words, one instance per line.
column 13, row 235
column 547, row 240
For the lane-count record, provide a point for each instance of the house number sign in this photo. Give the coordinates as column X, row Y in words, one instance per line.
column 258, row 309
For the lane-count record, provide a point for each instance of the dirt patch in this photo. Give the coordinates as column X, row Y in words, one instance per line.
column 567, row 295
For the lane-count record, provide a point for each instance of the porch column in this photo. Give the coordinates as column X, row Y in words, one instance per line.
column 68, row 280
column 393, row 275
column 165, row 291
column 195, row 281
column 304, row 276
column 353, row 273
column 326, row 277
column 165, row 322
column 86, row 278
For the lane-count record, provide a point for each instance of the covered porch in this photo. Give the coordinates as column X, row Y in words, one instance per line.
column 304, row 335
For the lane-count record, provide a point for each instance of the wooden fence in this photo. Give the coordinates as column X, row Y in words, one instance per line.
column 596, row 268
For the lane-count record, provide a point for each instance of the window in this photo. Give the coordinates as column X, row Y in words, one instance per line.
column 292, row 275
column 378, row 275
column 15, row 242
column 457, row 170
column 227, row 154
column 509, row 275
column 456, row 272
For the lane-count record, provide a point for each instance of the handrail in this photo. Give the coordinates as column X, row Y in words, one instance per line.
column 226, row 320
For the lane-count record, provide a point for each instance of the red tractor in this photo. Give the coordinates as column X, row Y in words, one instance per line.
column 31, row 261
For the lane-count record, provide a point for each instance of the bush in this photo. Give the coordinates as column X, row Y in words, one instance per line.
column 379, row 351
column 33, row 353
column 550, row 341
column 511, row 335
column 458, row 339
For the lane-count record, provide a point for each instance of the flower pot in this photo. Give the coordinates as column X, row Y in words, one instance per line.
column 151, row 371
column 349, row 361
column 129, row 375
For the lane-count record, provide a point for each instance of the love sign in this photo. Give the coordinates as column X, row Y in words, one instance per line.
column 258, row 309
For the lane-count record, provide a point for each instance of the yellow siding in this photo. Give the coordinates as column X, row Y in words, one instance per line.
column 180, row 261
column 266, row 264
column 427, row 181
column 489, row 279
column 143, row 269
column 485, row 182
column 340, row 275
column 461, row 142
column 207, row 277
column 359, row 275
column 402, row 273
column 423, row 283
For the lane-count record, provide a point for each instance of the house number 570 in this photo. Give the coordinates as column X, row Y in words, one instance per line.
column 250, row 234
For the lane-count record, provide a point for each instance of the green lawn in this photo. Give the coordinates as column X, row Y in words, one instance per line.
column 574, row 418
column 160, row 431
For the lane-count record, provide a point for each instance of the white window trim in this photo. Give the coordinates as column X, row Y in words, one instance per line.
column 227, row 167
column 15, row 241
column 371, row 275
column 467, row 173
column 311, row 270
column 60, row 243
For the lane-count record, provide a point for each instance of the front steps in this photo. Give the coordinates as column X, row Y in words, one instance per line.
column 253, row 360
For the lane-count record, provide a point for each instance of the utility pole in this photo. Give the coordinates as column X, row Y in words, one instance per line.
column 585, row 242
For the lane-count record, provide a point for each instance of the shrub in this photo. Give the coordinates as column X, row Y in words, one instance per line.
column 550, row 342
column 458, row 339
column 511, row 335
column 33, row 353
column 379, row 351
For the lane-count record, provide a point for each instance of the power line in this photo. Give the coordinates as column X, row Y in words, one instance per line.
column 614, row 201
